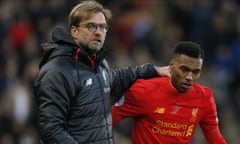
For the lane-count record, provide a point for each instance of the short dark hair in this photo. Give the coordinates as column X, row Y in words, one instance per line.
column 190, row 49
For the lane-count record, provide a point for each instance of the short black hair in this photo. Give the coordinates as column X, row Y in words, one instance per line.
column 190, row 49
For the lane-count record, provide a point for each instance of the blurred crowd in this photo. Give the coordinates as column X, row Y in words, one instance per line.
column 141, row 31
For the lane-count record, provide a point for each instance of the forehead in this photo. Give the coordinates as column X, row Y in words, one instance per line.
column 190, row 62
column 95, row 17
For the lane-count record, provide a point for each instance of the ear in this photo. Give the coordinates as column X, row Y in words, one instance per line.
column 74, row 32
column 171, row 65
column 171, row 62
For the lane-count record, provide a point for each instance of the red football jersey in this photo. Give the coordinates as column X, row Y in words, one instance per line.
column 162, row 115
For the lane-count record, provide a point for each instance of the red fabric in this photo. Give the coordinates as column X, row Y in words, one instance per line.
column 19, row 32
column 162, row 115
column 77, row 53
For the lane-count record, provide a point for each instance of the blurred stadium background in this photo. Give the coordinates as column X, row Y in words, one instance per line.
column 141, row 31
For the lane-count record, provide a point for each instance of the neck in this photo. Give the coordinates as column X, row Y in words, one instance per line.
column 89, row 52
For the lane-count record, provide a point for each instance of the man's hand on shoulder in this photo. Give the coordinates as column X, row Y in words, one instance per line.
column 163, row 70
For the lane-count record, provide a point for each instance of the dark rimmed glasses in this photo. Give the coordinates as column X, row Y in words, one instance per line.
column 92, row 27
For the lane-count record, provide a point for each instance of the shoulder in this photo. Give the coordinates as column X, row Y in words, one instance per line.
column 150, row 83
column 201, row 88
column 204, row 92
column 52, row 67
column 146, row 86
column 54, row 72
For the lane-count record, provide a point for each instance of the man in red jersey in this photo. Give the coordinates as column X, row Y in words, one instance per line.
column 167, row 110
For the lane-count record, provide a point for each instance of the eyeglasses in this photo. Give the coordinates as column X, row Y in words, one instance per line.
column 92, row 27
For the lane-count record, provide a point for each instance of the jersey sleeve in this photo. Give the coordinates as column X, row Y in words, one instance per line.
column 209, row 123
column 130, row 104
column 122, row 79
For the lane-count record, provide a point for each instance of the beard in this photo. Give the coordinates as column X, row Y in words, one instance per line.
column 91, row 51
column 91, row 47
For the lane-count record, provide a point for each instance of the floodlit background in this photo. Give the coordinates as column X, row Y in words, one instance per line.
column 141, row 31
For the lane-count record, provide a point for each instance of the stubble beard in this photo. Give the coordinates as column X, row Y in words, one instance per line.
column 92, row 49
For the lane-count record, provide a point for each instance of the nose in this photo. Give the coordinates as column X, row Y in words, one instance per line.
column 98, row 31
column 189, row 76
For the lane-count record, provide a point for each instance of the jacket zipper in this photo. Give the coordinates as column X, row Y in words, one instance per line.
column 105, row 112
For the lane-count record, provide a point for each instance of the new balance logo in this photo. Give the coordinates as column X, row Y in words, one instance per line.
column 159, row 110
column 88, row 82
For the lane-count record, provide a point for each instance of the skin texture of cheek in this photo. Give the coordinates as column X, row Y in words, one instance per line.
column 96, row 41
column 177, row 79
column 174, row 79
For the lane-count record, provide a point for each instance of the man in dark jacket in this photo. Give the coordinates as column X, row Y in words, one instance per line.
column 75, row 87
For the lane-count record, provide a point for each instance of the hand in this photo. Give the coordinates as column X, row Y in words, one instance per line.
column 163, row 70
